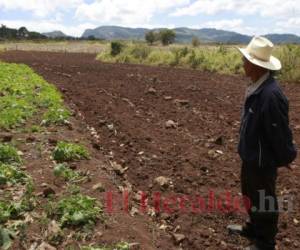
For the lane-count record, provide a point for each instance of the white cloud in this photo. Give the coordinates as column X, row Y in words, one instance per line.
column 48, row 26
column 130, row 13
column 40, row 8
column 275, row 8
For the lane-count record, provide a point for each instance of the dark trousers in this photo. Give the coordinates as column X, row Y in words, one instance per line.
column 259, row 191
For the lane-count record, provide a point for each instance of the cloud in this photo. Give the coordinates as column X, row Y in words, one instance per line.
column 48, row 26
column 40, row 8
column 130, row 13
column 276, row 8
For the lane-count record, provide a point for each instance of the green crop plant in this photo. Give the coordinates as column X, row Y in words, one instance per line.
column 12, row 174
column 9, row 154
column 24, row 94
column 77, row 210
column 63, row 171
column 65, row 151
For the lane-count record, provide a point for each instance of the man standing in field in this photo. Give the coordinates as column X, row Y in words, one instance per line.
column 266, row 143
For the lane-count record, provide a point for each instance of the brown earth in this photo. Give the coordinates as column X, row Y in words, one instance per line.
column 129, row 105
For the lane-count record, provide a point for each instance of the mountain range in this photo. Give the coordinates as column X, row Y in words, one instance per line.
column 183, row 35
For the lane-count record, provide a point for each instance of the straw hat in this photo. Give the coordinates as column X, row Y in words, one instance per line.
column 259, row 52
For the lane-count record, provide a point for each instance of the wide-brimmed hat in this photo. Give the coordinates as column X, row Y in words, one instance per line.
column 259, row 52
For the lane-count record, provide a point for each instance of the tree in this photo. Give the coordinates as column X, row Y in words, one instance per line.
column 22, row 33
column 195, row 42
column 150, row 37
column 167, row 36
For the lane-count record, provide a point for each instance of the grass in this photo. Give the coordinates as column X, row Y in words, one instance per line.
column 24, row 93
column 221, row 59
column 9, row 154
column 65, row 151
column 76, row 210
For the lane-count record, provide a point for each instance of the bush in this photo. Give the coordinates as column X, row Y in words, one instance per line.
column 11, row 174
column 167, row 36
column 63, row 171
column 116, row 48
column 68, row 152
column 151, row 37
column 195, row 42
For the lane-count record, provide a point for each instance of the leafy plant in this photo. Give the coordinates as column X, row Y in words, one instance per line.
column 5, row 238
column 11, row 174
column 56, row 115
column 9, row 154
column 69, row 151
column 62, row 170
column 77, row 210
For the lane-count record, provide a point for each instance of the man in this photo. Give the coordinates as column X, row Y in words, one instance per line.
column 266, row 143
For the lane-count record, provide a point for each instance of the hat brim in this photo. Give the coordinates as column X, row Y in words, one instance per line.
column 272, row 64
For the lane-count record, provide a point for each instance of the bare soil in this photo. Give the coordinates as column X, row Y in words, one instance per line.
column 176, row 123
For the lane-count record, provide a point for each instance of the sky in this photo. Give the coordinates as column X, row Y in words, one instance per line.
column 252, row 17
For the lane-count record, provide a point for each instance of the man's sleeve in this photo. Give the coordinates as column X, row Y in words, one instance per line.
column 276, row 129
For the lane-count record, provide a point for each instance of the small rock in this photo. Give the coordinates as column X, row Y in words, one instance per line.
column 7, row 137
column 99, row 187
column 162, row 181
column 101, row 123
column 220, row 141
column 44, row 184
column 48, row 191
column 223, row 244
column 135, row 246
column 297, row 127
column 52, row 141
column 31, row 139
column 178, row 238
column 167, row 98
column 45, row 246
column 110, row 127
column 181, row 102
column 118, row 168
column 151, row 91
column 170, row 124
column 296, row 222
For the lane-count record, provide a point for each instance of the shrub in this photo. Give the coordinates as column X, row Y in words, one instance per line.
column 195, row 42
column 62, row 170
column 116, row 48
column 167, row 36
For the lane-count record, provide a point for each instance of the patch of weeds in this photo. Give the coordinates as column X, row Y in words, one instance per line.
column 77, row 210
column 65, row 151
column 5, row 238
column 12, row 174
column 63, row 171
column 24, row 94
column 119, row 246
column 56, row 115
column 9, row 154
column 35, row 129
column 13, row 210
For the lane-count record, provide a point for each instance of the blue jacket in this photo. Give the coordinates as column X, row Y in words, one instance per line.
column 265, row 137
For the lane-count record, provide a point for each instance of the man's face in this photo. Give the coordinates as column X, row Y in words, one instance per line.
column 248, row 67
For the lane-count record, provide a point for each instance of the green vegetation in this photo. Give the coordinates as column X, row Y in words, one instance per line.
column 77, row 210
column 221, row 59
column 119, row 246
column 63, row 171
column 65, row 151
column 9, row 154
column 12, row 174
column 23, row 93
